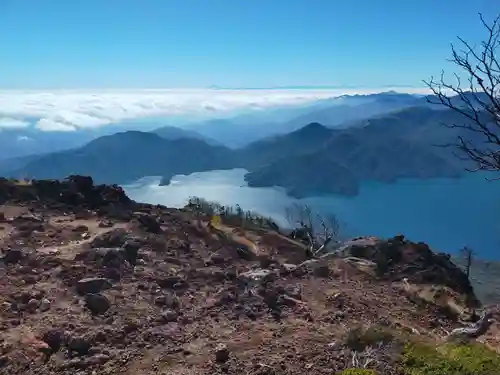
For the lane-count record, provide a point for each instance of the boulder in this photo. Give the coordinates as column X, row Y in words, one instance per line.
column 92, row 285
column 97, row 303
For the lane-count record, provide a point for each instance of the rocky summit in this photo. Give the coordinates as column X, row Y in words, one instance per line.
column 95, row 283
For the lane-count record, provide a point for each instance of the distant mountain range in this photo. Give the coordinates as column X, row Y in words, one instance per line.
column 235, row 132
column 173, row 133
column 311, row 160
column 242, row 130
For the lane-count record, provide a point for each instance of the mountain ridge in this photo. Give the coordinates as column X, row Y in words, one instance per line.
column 384, row 148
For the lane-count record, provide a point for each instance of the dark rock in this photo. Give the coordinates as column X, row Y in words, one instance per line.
column 221, row 353
column 97, row 303
column 105, row 224
column 32, row 305
column 397, row 259
column 27, row 218
column 81, row 229
column 54, row 339
column 109, row 257
column 4, row 360
column 149, row 223
column 131, row 250
column 171, row 282
column 169, row 316
column 217, row 259
column 92, row 285
column 13, row 256
column 113, row 238
column 80, row 344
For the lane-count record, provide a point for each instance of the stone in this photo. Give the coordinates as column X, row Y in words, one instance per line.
column 32, row 305
column 113, row 238
column 131, row 250
column 97, row 303
column 79, row 344
column 221, row 353
column 150, row 223
column 13, row 256
column 92, row 285
column 169, row 316
column 5, row 306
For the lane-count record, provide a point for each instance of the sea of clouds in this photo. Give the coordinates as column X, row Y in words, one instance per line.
column 69, row 110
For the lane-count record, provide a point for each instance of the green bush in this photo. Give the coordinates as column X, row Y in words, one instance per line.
column 450, row 359
column 358, row 338
column 229, row 215
column 358, row 371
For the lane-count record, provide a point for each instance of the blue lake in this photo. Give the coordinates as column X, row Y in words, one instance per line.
column 446, row 214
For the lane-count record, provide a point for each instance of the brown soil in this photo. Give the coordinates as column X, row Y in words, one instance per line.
column 169, row 306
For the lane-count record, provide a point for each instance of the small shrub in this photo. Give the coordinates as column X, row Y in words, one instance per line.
column 358, row 371
column 450, row 359
column 229, row 215
column 358, row 338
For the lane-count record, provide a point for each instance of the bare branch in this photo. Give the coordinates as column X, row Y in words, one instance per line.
column 317, row 230
column 478, row 102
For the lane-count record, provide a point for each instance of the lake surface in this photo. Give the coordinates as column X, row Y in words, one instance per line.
column 446, row 214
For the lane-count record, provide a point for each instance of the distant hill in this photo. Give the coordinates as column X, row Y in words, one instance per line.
column 242, row 130
column 173, row 133
column 399, row 145
column 311, row 160
column 127, row 156
column 349, row 108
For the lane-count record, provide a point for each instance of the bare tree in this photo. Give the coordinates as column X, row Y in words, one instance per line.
column 317, row 230
column 467, row 255
column 477, row 100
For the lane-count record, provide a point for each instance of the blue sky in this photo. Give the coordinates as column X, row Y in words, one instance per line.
column 230, row 43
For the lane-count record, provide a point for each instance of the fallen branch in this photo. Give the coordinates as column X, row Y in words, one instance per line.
column 474, row 330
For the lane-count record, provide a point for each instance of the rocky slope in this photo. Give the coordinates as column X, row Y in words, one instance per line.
column 94, row 283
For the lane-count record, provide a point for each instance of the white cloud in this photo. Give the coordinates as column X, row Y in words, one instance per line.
column 12, row 123
column 53, row 126
column 66, row 110
column 22, row 138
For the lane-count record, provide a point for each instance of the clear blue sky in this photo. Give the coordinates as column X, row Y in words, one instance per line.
column 230, row 43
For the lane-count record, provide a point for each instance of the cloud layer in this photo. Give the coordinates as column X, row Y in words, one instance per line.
column 69, row 110
column 13, row 123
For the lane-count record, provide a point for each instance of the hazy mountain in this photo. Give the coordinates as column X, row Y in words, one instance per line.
column 311, row 160
column 242, row 130
column 22, row 142
column 309, row 174
column 27, row 141
column 349, row 108
column 173, row 133
column 305, row 139
column 127, row 156
column 399, row 145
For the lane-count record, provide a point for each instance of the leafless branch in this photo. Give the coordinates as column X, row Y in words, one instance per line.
column 477, row 101
column 318, row 230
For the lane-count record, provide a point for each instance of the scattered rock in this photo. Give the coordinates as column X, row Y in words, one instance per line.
column 32, row 305
column 44, row 304
column 97, row 303
column 79, row 345
column 13, row 256
column 92, row 285
column 221, row 353
column 113, row 238
column 169, row 316
column 149, row 223
column 80, row 229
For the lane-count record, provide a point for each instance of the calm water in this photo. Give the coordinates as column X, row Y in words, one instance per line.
column 447, row 214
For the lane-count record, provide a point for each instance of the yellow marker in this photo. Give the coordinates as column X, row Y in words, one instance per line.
column 215, row 220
